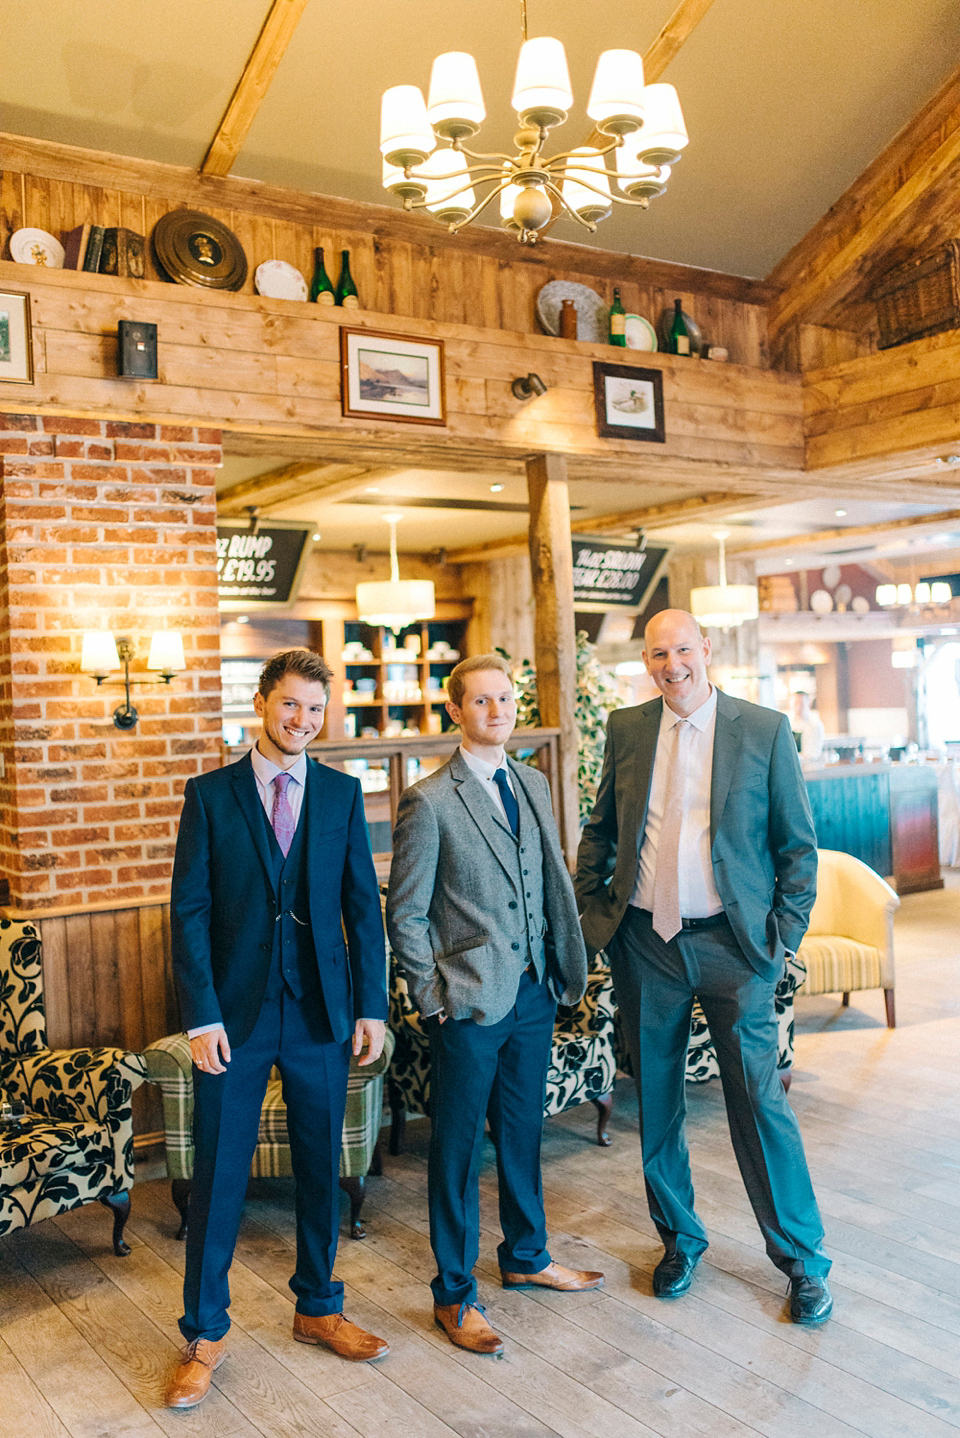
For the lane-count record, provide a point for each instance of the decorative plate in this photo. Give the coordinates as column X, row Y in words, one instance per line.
column 592, row 310
column 639, row 333
column 666, row 325
column 821, row 601
column 36, row 247
column 279, row 281
column 195, row 249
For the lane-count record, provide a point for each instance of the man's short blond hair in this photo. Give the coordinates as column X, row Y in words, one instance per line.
column 455, row 684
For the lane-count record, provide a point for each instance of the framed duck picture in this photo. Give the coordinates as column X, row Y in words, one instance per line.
column 629, row 402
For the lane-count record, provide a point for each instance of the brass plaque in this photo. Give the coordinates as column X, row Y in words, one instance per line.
column 195, row 249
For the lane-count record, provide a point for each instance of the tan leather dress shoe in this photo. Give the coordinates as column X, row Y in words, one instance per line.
column 190, row 1383
column 341, row 1336
column 564, row 1280
column 465, row 1325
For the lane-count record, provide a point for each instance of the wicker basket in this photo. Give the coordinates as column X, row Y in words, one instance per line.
column 921, row 297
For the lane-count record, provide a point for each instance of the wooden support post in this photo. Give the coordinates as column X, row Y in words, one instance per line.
column 551, row 563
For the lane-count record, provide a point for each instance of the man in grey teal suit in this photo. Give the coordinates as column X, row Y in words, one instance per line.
column 279, row 959
column 697, row 873
column 482, row 918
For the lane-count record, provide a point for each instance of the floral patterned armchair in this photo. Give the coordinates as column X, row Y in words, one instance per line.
column 75, row 1143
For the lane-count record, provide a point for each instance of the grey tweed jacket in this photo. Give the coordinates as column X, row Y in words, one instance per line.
column 453, row 877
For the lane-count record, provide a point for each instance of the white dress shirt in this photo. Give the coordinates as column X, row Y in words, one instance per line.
column 485, row 772
column 265, row 771
column 698, row 892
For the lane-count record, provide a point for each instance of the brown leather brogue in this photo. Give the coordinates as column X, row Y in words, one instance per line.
column 341, row 1336
column 563, row 1280
column 465, row 1325
column 190, row 1383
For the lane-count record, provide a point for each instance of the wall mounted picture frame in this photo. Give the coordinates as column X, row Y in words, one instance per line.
column 387, row 376
column 16, row 344
column 629, row 402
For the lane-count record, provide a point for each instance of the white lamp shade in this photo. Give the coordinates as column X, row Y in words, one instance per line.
column 886, row 595
column 587, row 165
column 940, row 592
column 636, row 179
column 922, row 593
column 99, row 656
column 616, row 99
column 405, row 134
column 904, row 594
column 402, row 185
column 166, row 652
column 542, row 94
column 664, row 135
column 724, row 606
column 455, row 100
column 395, row 602
column 445, row 172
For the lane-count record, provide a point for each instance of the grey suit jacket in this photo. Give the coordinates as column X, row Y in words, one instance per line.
column 453, row 876
column 763, row 843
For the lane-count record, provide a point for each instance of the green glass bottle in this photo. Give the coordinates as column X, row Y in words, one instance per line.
column 679, row 332
column 617, row 321
column 321, row 290
column 346, row 289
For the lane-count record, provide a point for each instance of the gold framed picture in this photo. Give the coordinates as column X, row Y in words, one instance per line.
column 387, row 376
column 16, row 346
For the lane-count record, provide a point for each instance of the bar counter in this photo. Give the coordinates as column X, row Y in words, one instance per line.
column 884, row 814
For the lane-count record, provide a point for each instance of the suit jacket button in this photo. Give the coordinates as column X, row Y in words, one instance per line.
column 512, row 904
column 514, row 946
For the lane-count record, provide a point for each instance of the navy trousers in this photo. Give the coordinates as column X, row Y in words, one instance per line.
column 293, row 1034
column 496, row 1072
column 655, row 984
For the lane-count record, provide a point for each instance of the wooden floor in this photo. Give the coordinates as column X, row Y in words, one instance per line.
column 86, row 1339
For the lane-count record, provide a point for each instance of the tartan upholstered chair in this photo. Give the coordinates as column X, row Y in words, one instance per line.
column 75, row 1141
column 169, row 1065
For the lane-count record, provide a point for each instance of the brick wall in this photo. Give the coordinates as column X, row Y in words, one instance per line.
column 102, row 525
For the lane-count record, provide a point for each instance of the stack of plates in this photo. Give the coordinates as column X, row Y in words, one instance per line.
column 195, row 249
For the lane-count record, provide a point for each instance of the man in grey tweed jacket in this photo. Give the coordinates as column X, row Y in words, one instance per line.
column 482, row 918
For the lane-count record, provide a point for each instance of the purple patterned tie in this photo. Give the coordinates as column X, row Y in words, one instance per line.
column 282, row 817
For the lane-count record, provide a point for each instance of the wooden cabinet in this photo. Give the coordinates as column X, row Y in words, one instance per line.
column 394, row 685
column 884, row 814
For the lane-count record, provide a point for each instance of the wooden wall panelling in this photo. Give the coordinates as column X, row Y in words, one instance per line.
column 11, row 207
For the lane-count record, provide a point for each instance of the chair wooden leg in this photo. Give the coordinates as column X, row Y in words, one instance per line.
column 604, row 1107
column 891, row 1014
column 119, row 1204
column 785, row 1076
column 180, row 1193
column 356, row 1189
column 398, row 1120
column 845, row 1000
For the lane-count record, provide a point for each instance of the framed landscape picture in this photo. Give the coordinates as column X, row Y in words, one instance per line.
column 16, row 349
column 387, row 376
column 629, row 402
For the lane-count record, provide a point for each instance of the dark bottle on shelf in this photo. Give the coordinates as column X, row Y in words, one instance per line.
column 679, row 331
column 346, row 289
column 617, row 322
column 321, row 290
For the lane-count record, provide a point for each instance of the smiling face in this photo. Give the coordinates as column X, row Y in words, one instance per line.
column 676, row 656
column 487, row 713
column 292, row 716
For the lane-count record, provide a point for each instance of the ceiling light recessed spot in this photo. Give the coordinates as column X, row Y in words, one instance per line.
column 840, row 513
column 315, row 537
column 243, row 619
column 372, row 489
column 496, row 488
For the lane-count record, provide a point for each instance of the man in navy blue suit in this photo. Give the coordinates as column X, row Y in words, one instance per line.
column 272, row 868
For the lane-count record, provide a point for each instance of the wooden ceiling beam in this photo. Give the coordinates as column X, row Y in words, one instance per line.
column 253, row 85
column 860, row 235
column 305, row 480
column 852, row 531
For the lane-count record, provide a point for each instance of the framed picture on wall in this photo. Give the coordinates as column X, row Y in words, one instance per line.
column 387, row 376
column 16, row 348
column 629, row 402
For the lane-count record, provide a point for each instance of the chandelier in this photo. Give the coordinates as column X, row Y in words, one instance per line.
column 926, row 592
column 640, row 125
column 395, row 602
column 723, row 605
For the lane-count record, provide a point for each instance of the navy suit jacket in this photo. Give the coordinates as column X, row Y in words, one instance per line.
column 224, row 903
column 763, row 843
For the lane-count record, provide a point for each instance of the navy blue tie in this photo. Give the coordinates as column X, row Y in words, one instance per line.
column 510, row 806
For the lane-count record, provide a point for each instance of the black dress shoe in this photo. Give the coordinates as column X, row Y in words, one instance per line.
column 673, row 1275
column 810, row 1300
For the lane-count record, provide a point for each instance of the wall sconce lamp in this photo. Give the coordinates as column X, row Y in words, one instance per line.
column 102, row 655
column 528, row 386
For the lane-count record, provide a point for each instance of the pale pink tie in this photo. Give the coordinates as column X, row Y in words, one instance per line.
column 282, row 816
column 666, row 885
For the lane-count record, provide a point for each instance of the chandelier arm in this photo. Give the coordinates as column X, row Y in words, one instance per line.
column 572, row 154
column 566, row 209
column 482, row 155
column 478, row 209
column 475, row 170
column 586, row 185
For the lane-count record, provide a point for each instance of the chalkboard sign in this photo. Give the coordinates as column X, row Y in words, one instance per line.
column 608, row 575
column 260, row 569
